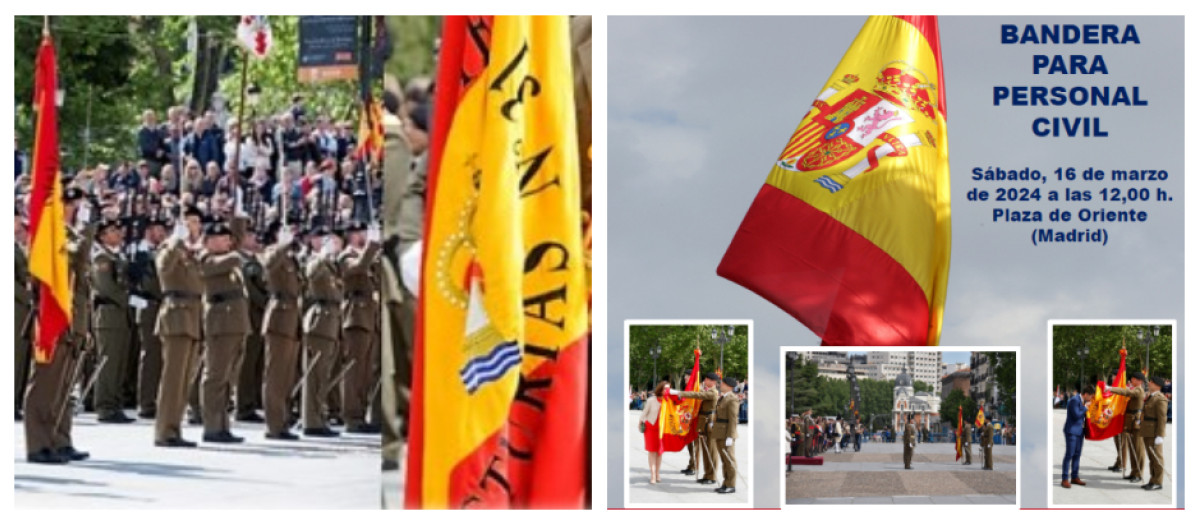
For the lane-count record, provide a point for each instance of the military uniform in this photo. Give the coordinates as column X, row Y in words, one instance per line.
column 48, row 410
column 322, row 329
column 724, row 427
column 1154, row 426
column 24, row 326
column 1135, row 448
column 226, row 324
column 966, row 444
column 808, row 424
column 910, row 443
column 149, row 289
column 250, row 375
column 985, row 444
column 281, row 330
column 111, row 328
column 705, row 453
column 179, row 325
column 360, row 313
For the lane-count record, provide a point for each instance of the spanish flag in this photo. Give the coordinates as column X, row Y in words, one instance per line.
column 47, row 223
column 850, row 234
column 677, row 418
column 1106, row 414
column 500, row 383
column 979, row 419
column 370, row 132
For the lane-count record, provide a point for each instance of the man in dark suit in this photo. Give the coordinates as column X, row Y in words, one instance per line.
column 1073, row 431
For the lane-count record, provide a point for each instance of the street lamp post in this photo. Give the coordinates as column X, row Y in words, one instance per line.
column 1083, row 353
column 722, row 335
column 654, row 352
column 1149, row 336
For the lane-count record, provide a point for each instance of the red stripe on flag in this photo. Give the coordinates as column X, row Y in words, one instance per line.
column 840, row 285
column 460, row 62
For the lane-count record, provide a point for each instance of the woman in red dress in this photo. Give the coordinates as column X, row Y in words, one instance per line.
column 649, row 420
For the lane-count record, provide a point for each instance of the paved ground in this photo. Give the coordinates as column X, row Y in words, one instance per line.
column 876, row 475
column 393, row 484
column 677, row 490
column 126, row 471
column 1105, row 487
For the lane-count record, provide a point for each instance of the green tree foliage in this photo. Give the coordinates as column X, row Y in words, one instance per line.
column 831, row 397
column 114, row 67
column 1104, row 344
column 801, row 384
column 921, row 386
column 412, row 45
column 949, row 410
column 677, row 343
column 98, row 77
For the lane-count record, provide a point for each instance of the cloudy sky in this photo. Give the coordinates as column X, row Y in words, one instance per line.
column 700, row 107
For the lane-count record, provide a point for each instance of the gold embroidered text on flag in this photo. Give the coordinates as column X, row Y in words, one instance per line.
column 500, row 386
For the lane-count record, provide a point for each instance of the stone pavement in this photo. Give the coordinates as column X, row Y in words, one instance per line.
column 1105, row 487
column 127, row 472
column 677, row 490
column 876, row 475
column 393, row 483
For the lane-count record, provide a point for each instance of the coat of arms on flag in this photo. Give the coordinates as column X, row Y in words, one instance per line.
column 848, row 119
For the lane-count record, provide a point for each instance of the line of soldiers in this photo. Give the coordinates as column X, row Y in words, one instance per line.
column 716, row 427
column 801, row 426
column 1144, row 431
column 212, row 317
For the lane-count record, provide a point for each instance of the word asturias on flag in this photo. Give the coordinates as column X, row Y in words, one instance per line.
column 499, row 405
column 850, row 234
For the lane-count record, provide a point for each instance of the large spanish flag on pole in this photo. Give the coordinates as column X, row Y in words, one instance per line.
column 850, row 234
column 1106, row 414
column 48, row 244
column 500, row 384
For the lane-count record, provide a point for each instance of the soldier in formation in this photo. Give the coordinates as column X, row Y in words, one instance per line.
column 215, row 311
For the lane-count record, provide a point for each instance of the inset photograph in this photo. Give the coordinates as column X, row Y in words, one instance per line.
column 1112, row 429
column 687, row 428
column 888, row 425
column 198, row 257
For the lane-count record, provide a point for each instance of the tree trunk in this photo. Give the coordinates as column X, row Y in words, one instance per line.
column 210, row 53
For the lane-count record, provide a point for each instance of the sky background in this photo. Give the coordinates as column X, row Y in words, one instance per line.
column 699, row 108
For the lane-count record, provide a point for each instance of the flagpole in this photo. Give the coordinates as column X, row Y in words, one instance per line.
column 237, row 147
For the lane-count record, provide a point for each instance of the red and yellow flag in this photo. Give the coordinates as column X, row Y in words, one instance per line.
column 1106, row 414
column 500, row 384
column 370, row 132
column 959, row 433
column 676, row 419
column 47, row 221
column 851, row 232
column 979, row 419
